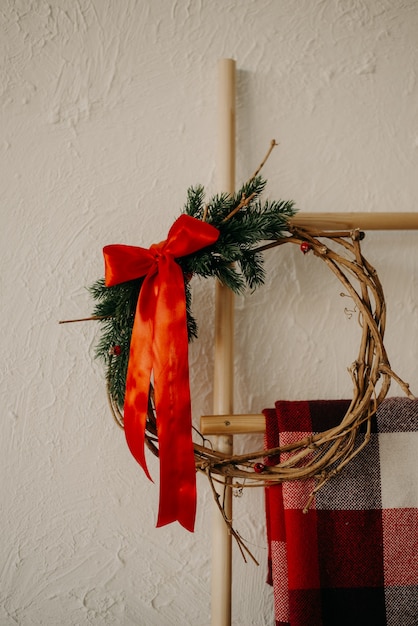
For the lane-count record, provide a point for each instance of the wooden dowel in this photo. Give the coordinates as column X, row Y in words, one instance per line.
column 363, row 221
column 223, row 390
column 232, row 424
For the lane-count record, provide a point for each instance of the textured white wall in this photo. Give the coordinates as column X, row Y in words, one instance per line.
column 108, row 114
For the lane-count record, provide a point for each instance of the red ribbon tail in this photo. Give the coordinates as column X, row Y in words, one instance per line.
column 178, row 476
column 173, row 406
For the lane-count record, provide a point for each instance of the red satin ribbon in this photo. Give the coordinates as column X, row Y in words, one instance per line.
column 159, row 344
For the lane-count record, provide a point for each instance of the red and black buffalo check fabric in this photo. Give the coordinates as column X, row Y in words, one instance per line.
column 352, row 559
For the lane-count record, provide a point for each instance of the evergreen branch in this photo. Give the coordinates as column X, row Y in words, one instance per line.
column 235, row 259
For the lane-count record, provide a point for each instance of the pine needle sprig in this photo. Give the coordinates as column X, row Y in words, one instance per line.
column 194, row 203
column 219, row 207
column 115, row 307
column 252, row 267
column 243, row 222
column 192, row 329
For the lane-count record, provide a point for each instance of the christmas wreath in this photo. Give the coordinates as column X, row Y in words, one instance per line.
column 144, row 305
column 144, row 308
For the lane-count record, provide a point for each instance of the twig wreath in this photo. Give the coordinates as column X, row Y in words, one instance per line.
column 144, row 308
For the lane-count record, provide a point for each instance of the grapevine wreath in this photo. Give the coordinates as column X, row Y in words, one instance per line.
column 144, row 308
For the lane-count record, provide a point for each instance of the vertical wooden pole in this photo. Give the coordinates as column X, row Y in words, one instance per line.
column 223, row 390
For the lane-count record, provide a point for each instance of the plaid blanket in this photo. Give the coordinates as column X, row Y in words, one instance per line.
column 352, row 559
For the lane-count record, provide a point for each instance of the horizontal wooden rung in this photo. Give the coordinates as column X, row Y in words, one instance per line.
column 361, row 220
column 232, row 424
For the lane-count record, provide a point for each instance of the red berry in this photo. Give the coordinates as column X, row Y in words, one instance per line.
column 259, row 468
column 115, row 350
column 305, row 247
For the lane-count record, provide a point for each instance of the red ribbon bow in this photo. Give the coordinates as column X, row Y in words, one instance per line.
column 159, row 344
